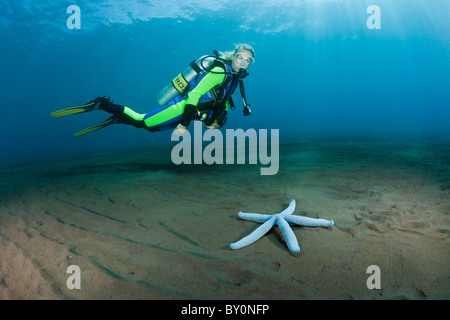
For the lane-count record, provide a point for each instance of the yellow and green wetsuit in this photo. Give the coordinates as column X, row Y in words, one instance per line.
column 207, row 101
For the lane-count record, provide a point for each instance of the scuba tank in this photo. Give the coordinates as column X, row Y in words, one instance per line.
column 180, row 84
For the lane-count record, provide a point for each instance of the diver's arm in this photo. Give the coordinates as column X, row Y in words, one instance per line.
column 211, row 80
column 189, row 110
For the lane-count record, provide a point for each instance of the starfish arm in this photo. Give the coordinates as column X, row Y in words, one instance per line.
column 288, row 235
column 309, row 222
column 255, row 235
column 290, row 209
column 256, row 217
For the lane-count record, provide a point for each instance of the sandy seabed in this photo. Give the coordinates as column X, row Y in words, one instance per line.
column 140, row 227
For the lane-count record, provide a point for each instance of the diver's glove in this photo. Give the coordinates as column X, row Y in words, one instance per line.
column 213, row 125
column 180, row 130
column 189, row 111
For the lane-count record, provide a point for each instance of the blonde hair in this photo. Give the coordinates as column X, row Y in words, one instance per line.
column 228, row 55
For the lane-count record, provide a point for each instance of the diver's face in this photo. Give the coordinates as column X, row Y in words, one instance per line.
column 242, row 60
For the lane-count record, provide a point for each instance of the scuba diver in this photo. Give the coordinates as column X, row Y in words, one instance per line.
column 202, row 92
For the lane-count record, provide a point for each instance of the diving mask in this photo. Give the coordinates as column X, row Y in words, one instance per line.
column 243, row 59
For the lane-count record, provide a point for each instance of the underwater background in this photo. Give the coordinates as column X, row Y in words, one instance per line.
column 319, row 69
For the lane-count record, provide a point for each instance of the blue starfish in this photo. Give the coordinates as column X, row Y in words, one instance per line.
column 281, row 219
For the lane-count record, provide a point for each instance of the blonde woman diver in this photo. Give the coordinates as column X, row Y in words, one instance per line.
column 208, row 99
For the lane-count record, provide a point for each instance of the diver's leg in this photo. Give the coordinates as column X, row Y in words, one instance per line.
column 167, row 117
column 164, row 118
column 156, row 120
column 120, row 114
column 130, row 117
column 160, row 119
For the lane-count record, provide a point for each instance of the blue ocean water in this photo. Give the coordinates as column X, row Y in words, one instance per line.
column 320, row 70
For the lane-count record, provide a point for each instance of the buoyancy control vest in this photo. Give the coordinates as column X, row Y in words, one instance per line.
column 215, row 99
column 213, row 103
